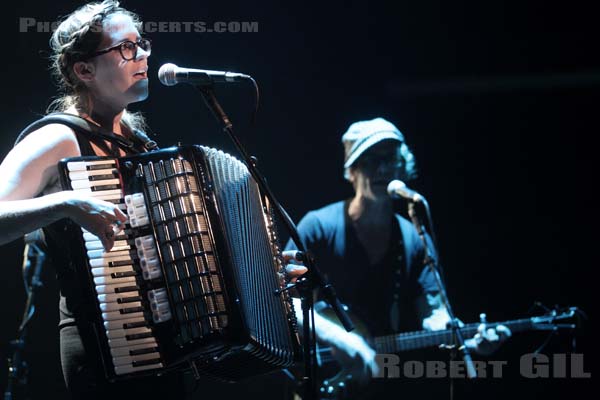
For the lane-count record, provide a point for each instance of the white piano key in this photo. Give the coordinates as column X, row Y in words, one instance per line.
column 128, row 369
column 128, row 360
column 109, row 280
column 123, row 342
column 95, row 244
column 106, row 271
column 80, row 175
column 103, row 262
column 84, row 183
column 89, row 237
column 112, row 297
column 114, row 253
column 111, row 192
column 124, row 351
column 115, row 315
column 82, row 165
column 121, row 333
column 107, row 197
column 118, row 324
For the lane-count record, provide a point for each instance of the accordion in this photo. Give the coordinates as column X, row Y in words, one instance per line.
column 192, row 281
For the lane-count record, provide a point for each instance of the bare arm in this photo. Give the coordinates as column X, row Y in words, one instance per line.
column 19, row 217
column 350, row 349
column 31, row 169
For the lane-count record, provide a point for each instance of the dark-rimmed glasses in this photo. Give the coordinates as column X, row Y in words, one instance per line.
column 373, row 160
column 127, row 48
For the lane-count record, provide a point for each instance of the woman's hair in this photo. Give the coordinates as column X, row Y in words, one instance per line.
column 78, row 36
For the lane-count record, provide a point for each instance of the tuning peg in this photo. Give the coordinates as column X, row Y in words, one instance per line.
column 482, row 318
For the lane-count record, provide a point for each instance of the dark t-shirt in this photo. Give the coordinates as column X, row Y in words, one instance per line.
column 382, row 296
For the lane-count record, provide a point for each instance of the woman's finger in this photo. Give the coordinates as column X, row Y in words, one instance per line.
column 292, row 256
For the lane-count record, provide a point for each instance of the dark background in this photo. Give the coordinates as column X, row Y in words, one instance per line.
column 497, row 99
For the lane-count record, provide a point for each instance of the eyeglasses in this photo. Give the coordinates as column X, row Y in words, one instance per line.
column 127, row 48
column 375, row 161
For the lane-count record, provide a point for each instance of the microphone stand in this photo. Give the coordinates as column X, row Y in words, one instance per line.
column 311, row 280
column 430, row 263
column 17, row 367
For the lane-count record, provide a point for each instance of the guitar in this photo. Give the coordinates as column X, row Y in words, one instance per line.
column 336, row 386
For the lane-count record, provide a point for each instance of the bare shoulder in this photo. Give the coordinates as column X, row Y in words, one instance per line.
column 54, row 138
column 48, row 145
column 30, row 167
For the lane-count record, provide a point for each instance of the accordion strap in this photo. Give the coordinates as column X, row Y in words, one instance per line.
column 91, row 132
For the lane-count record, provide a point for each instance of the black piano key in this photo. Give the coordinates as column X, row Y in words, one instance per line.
column 122, row 263
column 131, row 325
column 129, row 310
column 99, row 166
column 104, row 177
column 145, row 362
column 143, row 351
column 116, row 275
column 105, row 187
column 129, row 299
column 125, row 289
column 139, row 336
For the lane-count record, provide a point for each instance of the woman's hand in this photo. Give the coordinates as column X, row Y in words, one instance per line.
column 293, row 266
column 101, row 218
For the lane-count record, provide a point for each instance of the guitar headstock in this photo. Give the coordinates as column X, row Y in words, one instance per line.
column 556, row 319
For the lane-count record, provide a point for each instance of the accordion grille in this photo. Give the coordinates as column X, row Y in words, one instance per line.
column 254, row 252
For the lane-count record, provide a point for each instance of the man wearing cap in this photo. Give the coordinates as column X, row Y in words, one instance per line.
column 372, row 255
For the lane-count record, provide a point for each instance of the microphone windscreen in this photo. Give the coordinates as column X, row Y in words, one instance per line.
column 166, row 74
column 394, row 186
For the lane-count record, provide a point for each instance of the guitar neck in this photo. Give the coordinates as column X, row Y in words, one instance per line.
column 422, row 339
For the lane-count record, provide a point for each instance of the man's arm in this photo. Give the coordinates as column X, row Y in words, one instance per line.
column 350, row 349
column 432, row 312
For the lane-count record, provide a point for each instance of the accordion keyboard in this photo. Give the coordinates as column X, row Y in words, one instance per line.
column 126, row 322
column 191, row 281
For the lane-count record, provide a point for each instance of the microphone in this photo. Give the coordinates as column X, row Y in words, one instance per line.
column 171, row 74
column 397, row 189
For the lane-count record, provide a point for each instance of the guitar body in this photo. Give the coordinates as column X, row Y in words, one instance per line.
column 336, row 380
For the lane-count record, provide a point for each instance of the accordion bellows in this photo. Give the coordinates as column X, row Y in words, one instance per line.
column 192, row 280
